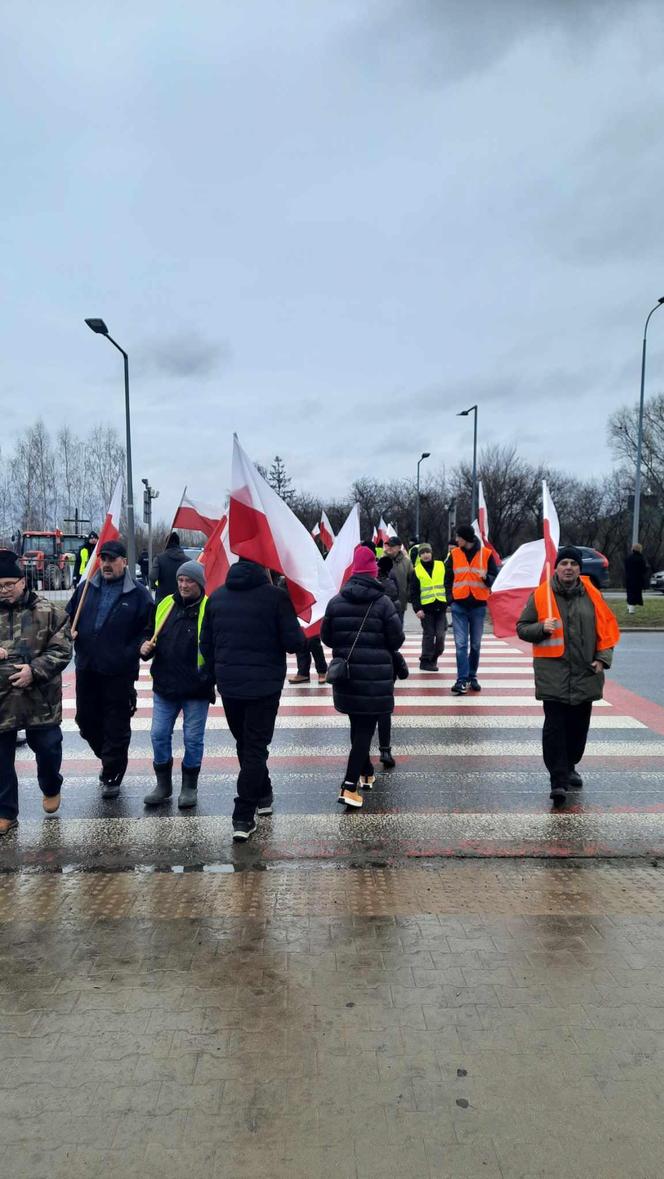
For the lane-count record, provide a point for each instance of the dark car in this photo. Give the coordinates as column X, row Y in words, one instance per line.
column 595, row 566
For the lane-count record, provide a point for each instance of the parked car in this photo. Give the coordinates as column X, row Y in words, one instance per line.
column 595, row 566
column 657, row 581
column 192, row 554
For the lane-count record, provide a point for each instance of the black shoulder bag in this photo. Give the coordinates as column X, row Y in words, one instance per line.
column 339, row 668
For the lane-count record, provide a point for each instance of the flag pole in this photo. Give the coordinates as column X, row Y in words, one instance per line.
column 549, row 595
column 162, row 622
column 82, row 599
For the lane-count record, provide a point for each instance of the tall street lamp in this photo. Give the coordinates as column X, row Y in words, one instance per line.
column 98, row 326
column 473, row 503
column 639, row 443
column 425, row 454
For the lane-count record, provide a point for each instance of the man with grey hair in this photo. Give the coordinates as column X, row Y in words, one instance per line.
column 402, row 570
column 181, row 684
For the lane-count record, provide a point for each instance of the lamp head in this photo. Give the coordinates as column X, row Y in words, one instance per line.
column 98, row 326
column 426, row 454
column 661, row 300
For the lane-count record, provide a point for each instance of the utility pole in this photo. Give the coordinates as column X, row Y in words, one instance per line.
column 148, row 495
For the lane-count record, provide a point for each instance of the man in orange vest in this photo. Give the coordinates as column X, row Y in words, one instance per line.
column 573, row 633
column 470, row 571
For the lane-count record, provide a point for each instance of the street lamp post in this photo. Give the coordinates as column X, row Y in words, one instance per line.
column 473, row 501
column 98, row 326
column 425, row 455
column 639, row 442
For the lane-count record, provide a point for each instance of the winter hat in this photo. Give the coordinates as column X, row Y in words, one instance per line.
column 114, row 548
column 193, row 570
column 9, row 566
column 393, row 540
column 466, row 532
column 364, row 561
column 173, row 541
column 385, row 563
column 569, row 552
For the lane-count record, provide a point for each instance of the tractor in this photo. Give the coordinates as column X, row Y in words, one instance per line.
column 46, row 563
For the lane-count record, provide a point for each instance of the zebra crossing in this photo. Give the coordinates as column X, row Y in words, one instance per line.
column 469, row 777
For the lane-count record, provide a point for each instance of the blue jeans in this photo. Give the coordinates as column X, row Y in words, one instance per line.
column 164, row 715
column 46, row 744
column 467, row 627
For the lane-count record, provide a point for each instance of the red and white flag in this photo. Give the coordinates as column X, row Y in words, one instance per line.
column 217, row 557
column 481, row 525
column 326, row 532
column 110, row 530
column 382, row 531
column 197, row 517
column 264, row 529
column 520, row 574
column 338, row 566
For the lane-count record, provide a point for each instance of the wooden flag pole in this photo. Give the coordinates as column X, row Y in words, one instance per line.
column 549, row 595
column 77, row 615
column 162, row 623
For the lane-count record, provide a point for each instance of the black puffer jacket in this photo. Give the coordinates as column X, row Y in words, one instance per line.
column 249, row 626
column 370, row 688
column 164, row 572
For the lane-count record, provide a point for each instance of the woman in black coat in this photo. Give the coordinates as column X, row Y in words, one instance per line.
column 635, row 578
column 368, row 692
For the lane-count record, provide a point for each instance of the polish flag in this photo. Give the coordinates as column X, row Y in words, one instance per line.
column 521, row 573
column 382, row 531
column 110, row 530
column 481, row 525
column 217, row 557
column 374, row 536
column 197, row 517
column 338, row 566
column 326, row 532
column 264, row 529
column 315, row 531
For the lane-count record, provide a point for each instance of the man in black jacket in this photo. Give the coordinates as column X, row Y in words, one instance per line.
column 115, row 619
column 181, row 684
column 164, row 572
column 249, row 626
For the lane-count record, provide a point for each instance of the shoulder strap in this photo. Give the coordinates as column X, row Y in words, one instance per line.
column 359, row 632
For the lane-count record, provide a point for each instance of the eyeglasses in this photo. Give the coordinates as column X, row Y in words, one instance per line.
column 5, row 586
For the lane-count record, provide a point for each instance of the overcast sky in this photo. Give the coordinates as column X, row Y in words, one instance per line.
column 329, row 225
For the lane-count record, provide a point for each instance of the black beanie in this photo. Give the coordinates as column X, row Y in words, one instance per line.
column 9, row 566
column 466, row 532
column 569, row 552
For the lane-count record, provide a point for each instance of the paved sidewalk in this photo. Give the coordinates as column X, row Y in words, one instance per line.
column 453, row 1019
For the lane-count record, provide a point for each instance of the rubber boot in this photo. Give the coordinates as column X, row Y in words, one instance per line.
column 164, row 788
column 386, row 758
column 189, row 792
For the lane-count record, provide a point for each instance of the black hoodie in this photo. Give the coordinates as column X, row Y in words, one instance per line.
column 249, row 626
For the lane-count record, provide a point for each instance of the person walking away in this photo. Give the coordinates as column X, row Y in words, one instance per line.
column 144, row 563
column 363, row 626
column 35, row 648
column 116, row 617
column 313, row 650
column 391, row 588
column 573, row 633
column 429, row 601
column 248, row 628
column 470, row 571
column 181, row 684
column 402, row 570
column 164, row 572
column 636, row 578
column 83, row 555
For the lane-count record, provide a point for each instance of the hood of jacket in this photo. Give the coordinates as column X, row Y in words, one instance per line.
column 362, row 587
column 246, row 575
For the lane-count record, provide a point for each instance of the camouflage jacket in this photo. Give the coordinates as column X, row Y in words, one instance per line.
column 33, row 631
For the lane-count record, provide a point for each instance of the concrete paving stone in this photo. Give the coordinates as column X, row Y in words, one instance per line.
column 34, row 1099
column 90, row 1023
column 26, row 1002
column 163, row 1160
column 82, row 1162
column 27, row 1161
column 376, row 1158
column 160, row 1068
column 158, row 1020
column 129, row 999
column 463, row 1160
column 132, row 1097
column 167, row 1129
column 174, row 1096
column 113, row 1046
column 13, row 1046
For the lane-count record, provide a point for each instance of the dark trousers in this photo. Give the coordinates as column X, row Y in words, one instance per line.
column 385, row 730
column 564, row 737
column 104, row 707
column 362, row 729
column 252, row 724
column 314, row 647
column 46, row 744
column 434, row 626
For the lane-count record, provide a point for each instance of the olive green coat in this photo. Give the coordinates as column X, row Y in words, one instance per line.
column 33, row 631
column 570, row 678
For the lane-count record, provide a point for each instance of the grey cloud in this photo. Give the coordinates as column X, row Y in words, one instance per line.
column 184, row 354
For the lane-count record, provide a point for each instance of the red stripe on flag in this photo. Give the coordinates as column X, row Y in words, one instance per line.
column 251, row 537
column 505, row 608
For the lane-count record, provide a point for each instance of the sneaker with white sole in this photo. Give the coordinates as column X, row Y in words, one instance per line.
column 459, row 688
column 351, row 798
column 242, row 830
column 264, row 807
column 367, row 781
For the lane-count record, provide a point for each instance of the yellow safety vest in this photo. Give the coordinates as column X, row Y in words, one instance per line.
column 85, row 557
column 432, row 588
column 164, row 607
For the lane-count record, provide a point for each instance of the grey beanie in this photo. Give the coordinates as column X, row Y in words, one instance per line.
column 194, row 570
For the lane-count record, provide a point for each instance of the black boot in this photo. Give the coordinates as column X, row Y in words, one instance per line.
column 386, row 758
column 164, row 788
column 189, row 792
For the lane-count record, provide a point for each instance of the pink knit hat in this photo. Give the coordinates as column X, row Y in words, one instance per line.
column 364, row 561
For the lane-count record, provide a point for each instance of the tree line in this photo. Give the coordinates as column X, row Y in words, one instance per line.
column 47, row 478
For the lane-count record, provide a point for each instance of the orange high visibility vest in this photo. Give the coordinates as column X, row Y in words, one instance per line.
column 467, row 578
column 553, row 646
